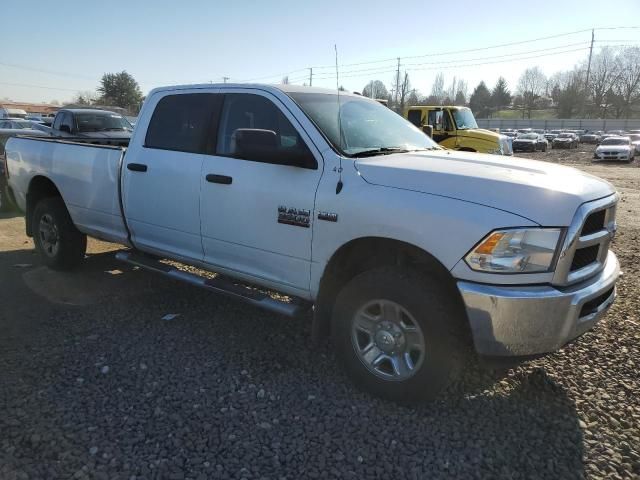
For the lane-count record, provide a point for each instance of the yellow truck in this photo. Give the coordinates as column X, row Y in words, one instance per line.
column 455, row 128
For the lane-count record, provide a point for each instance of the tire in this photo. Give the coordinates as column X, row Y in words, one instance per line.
column 59, row 243
column 432, row 322
column 544, row 148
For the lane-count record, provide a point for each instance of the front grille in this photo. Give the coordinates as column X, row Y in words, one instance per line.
column 594, row 223
column 586, row 245
column 584, row 257
column 592, row 305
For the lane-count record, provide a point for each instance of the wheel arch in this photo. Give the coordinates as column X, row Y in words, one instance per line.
column 39, row 187
column 365, row 253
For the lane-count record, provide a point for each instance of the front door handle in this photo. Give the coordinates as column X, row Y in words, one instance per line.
column 222, row 179
column 137, row 167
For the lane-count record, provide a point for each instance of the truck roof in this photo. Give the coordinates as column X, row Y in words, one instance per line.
column 263, row 86
column 437, row 106
column 88, row 110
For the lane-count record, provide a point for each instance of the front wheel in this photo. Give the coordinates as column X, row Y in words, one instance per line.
column 395, row 333
column 58, row 241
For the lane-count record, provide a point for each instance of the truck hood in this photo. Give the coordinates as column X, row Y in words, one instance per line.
column 106, row 134
column 480, row 133
column 542, row 192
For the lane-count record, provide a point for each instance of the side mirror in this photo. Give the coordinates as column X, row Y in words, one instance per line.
column 65, row 128
column 428, row 130
column 254, row 143
column 261, row 145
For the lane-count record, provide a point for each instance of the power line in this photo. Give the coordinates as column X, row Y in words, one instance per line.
column 468, row 64
column 458, row 63
column 39, row 86
column 454, row 52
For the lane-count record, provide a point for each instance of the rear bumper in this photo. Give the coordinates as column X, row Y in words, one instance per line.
column 536, row 319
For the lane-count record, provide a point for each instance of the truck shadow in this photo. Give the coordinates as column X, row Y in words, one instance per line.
column 245, row 365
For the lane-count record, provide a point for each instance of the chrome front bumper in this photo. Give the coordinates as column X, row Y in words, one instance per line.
column 536, row 319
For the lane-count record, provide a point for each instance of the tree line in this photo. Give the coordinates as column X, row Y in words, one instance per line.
column 608, row 87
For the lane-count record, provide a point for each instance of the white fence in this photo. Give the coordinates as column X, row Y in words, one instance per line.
column 560, row 123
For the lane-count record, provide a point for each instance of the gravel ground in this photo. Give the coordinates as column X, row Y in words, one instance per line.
column 95, row 384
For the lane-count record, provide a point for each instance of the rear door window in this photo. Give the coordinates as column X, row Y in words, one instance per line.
column 184, row 123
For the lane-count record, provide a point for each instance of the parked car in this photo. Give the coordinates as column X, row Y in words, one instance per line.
column 509, row 132
column 530, row 142
column 615, row 148
column 403, row 248
column 15, row 124
column 565, row 140
column 90, row 123
column 6, row 112
column 589, row 137
column 635, row 141
column 552, row 134
column 539, row 131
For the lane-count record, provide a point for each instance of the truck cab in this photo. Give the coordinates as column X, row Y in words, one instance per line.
column 455, row 128
column 92, row 123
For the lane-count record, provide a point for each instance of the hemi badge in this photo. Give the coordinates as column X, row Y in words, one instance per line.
column 329, row 217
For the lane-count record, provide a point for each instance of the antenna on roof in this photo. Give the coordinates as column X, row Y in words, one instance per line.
column 339, row 184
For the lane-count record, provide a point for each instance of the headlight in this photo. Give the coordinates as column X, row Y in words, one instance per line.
column 526, row 250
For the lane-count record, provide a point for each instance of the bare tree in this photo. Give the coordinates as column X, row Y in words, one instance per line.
column 86, row 97
column 403, row 91
column 531, row 85
column 604, row 73
column 285, row 80
column 628, row 79
column 375, row 89
column 437, row 89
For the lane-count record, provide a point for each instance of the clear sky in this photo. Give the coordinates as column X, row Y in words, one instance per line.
column 67, row 45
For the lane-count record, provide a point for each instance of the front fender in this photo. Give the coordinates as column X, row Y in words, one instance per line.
column 444, row 227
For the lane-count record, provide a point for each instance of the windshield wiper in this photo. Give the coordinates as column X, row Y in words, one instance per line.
column 379, row 151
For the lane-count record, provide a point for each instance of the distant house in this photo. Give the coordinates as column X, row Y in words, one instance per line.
column 30, row 107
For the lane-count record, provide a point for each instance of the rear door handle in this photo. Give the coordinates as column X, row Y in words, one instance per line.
column 137, row 167
column 223, row 179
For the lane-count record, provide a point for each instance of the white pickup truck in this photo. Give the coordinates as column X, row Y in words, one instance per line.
column 407, row 252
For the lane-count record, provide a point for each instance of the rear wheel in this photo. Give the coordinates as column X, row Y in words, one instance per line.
column 395, row 332
column 57, row 240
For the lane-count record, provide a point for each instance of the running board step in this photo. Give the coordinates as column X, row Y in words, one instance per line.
column 218, row 285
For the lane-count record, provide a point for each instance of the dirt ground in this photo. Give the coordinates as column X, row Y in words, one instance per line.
column 94, row 383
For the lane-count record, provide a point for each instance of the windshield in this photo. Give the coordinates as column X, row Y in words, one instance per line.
column 615, row 141
column 565, row 135
column 366, row 124
column 464, row 118
column 23, row 124
column 99, row 122
column 529, row 136
column 634, row 137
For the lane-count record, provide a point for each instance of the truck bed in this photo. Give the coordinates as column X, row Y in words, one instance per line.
column 85, row 171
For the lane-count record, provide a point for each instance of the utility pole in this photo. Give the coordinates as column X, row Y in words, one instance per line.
column 586, row 81
column 310, row 76
column 224, row 79
column 397, row 81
